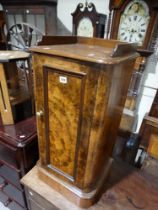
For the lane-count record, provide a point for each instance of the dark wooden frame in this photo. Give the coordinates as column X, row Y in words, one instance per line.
column 17, row 156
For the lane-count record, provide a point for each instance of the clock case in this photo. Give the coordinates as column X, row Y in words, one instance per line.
column 118, row 7
column 89, row 11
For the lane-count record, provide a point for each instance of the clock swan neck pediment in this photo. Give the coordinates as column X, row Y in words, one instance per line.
column 88, row 8
column 86, row 17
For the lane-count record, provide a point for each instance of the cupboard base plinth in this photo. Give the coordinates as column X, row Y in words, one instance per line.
column 71, row 192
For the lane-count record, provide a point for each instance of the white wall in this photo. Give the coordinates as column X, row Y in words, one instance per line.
column 65, row 8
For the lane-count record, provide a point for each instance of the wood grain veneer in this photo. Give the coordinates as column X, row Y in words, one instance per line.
column 78, row 118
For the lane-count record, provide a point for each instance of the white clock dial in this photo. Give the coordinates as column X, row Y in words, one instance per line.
column 133, row 29
column 85, row 28
column 134, row 22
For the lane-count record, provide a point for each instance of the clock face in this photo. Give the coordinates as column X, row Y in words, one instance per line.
column 134, row 22
column 85, row 27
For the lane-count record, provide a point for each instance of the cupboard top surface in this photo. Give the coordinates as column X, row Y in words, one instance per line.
column 88, row 49
column 83, row 52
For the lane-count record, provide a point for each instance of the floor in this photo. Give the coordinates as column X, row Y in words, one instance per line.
column 127, row 188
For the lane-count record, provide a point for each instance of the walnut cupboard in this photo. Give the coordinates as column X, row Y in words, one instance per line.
column 80, row 90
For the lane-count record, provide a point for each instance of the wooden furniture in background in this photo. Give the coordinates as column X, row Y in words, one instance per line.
column 149, row 135
column 88, row 22
column 154, row 109
column 149, row 139
column 123, row 183
column 2, row 36
column 41, row 14
column 80, row 90
column 149, row 130
column 148, row 158
column 18, row 153
column 16, row 95
column 28, row 20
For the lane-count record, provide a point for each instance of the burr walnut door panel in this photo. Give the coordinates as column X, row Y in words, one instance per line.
column 63, row 100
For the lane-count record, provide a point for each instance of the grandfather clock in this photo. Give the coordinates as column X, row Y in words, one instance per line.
column 133, row 21
column 87, row 21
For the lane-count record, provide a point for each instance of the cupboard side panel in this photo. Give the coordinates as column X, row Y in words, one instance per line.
column 39, row 104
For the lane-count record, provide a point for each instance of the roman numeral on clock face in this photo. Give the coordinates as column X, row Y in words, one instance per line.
column 135, row 17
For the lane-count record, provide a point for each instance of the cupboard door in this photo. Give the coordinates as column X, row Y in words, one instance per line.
column 63, row 102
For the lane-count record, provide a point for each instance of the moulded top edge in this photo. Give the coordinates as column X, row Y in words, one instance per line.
column 86, row 52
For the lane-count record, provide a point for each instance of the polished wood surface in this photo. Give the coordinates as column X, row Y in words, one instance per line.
column 71, row 192
column 79, row 102
column 20, row 133
column 63, row 104
column 95, row 50
column 127, row 188
column 18, row 153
